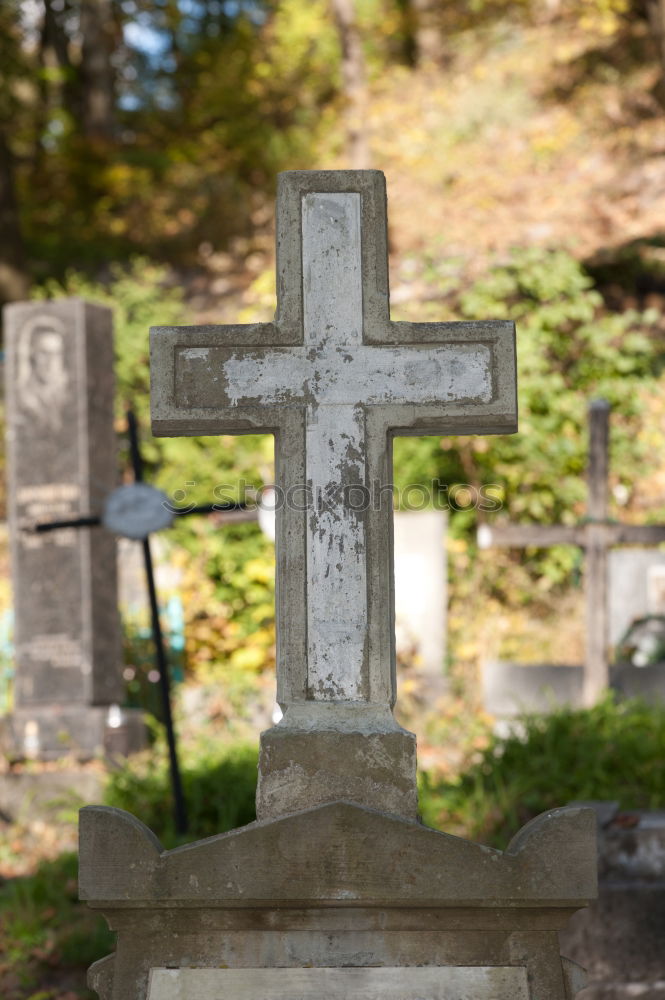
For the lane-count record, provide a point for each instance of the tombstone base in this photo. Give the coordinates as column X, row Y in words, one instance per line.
column 328, row 752
column 337, row 901
column 48, row 732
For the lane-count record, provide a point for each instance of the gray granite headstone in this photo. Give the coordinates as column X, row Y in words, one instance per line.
column 61, row 463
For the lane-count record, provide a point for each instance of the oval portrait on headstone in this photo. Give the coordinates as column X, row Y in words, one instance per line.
column 42, row 378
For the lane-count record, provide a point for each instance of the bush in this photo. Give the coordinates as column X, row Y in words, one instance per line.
column 219, row 784
column 613, row 751
column 46, row 934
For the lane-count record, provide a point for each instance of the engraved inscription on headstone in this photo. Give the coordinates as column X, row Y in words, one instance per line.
column 61, row 463
column 481, row 982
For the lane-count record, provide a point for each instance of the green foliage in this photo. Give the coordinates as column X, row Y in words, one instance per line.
column 570, row 350
column 219, row 783
column 612, row 751
column 42, row 924
column 204, row 106
column 140, row 295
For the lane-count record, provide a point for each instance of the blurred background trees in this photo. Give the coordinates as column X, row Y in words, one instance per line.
column 157, row 125
column 524, row 146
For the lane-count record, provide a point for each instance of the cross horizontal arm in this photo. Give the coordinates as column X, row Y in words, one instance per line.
column 544, row 535
column 522, row 535
column 635, row 534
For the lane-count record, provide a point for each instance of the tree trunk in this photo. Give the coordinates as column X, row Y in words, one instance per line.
column 14, row 279
column 430, row 43
column 354, row 83
column 656, row 16
column 97, row 76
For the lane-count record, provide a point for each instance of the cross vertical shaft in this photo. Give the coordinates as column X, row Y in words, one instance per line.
column 335, row 448
column 596, row 673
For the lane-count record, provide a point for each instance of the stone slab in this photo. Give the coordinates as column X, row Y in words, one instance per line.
column 336, row 886
column 47, row 732
column 512, row 688
column 379, row 768
column 421, row 589
column 387, row 983
column 639, row 682
column 339, row 852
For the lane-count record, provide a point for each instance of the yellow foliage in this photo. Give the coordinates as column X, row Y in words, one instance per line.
column 248, row 658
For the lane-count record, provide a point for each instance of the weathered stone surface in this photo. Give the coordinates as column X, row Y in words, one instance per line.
column 338, row 885
column 334, row 379
column 379, row 767
column 512, row 688
column 340, row 852
column 61, row 463
column 395, row 983
column 620, row 936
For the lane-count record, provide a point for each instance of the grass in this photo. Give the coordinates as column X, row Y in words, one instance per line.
column 47, row 938
column 614, row 751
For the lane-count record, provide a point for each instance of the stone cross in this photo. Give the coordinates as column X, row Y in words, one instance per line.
column 61, row 463
column 334, row 379
column 596, row 536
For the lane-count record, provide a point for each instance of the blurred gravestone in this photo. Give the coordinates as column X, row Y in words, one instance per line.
column 61, row 464
column 420, row 591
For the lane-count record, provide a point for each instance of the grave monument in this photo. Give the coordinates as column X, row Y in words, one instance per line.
column 61, row 462
column 337, row 890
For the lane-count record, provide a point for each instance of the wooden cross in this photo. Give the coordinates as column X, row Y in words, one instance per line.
column 334, row 379
column 596, row 535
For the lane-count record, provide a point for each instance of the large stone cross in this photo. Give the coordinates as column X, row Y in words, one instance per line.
column 334, row 379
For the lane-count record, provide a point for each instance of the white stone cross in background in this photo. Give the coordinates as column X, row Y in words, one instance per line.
column 334, row 379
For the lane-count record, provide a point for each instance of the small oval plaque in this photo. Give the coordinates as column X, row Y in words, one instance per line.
column 135, row 511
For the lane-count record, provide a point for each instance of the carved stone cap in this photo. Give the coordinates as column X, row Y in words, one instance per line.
column 338, row 854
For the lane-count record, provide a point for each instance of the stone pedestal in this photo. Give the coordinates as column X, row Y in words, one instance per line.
column 338, row 887
column 299, row 762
